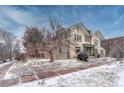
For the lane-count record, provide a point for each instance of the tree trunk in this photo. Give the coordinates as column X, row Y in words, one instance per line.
column 68, row 52
column 10, row 53
column 51, row 56
column 36, row 53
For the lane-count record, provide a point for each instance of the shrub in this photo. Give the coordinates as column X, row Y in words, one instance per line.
column 22, row 57
column 82, row 56
column 98, row 56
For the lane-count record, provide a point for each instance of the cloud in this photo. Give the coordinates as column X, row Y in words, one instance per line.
column 20, row 16
column 119, row 20
column 14, row 19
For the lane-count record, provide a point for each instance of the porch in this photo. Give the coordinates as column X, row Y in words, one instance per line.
column 89, row 48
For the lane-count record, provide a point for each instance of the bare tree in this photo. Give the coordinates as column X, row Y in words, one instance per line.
column 117, row 51
column 45, row 40
column 8, row 38
column 33, row 37
column 56, row 38
column 16, row 48
column 7, row 45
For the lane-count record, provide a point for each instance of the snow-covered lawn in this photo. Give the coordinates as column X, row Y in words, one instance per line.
column 108, row 75
column 4, row 64
column 35, row 66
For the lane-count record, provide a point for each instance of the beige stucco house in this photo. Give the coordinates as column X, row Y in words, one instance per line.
column 85, row 40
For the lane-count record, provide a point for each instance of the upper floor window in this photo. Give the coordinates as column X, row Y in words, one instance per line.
column 95, row 41
column 87, row 38
column 77, row 38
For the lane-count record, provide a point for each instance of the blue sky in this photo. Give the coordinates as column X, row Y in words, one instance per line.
column 108, row 19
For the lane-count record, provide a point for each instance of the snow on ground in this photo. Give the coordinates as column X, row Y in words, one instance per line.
column 45, row 62
column 121, row 75
column 9, row 75
column 3, row 64
column 106, row 76
column 33, row 66
column 121, row 80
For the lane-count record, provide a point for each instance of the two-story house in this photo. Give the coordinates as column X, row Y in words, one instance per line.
column 85, row 40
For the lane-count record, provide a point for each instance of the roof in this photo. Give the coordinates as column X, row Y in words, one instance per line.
column 116, row 38
column 82, row 26
column 99, row 34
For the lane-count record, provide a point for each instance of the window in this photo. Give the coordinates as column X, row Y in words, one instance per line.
column 77, row 49
column 87, row 38
column 77, row 38
column 95, row 42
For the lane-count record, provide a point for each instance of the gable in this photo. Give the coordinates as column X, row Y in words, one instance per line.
column 99, row 34
column 95, row 36
column 81, row 27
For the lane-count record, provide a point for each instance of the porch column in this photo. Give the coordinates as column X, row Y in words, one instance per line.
column 93, row 51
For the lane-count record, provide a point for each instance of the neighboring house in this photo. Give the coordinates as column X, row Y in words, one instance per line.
column 85, row 40
column 113, row 44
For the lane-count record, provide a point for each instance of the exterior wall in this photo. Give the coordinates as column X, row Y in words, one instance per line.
column 78, row 32
column 95, row 37
column 98, row 46
column 77, row 43
column 72, row 51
